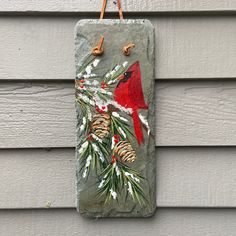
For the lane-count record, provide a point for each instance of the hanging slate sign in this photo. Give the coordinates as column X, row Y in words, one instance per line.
column 115, row 119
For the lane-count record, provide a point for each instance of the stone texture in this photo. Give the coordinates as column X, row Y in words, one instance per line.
column 117, row 34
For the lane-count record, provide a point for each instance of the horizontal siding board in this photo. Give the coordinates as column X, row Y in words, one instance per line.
column 186, row 177
column 188, row 113
column 37, row 115
column 81, row 6
column 196, row 113
column 196, row 177
column 167, row 221
column 37, row 178
column 186, row 47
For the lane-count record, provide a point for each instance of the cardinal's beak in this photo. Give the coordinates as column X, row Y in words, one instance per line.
column 121, row 77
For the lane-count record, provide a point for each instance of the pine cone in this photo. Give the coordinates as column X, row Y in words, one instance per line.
column 101, row 124
column 125, row 151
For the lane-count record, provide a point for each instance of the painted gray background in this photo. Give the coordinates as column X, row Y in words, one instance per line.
column 196, row 165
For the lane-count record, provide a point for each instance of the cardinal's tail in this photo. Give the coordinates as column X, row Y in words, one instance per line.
column 137, row 127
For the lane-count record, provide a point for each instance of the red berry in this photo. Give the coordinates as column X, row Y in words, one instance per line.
column 116, row 136
column 103, row 107
column 113, row 159
column 104, row 85
column 82, row 80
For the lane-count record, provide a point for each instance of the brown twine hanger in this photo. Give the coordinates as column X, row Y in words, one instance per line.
column 104, row 4
column 98, row 50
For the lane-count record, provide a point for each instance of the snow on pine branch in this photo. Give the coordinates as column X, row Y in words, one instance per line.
column 145, row 122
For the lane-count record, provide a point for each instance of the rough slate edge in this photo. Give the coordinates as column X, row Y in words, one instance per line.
column 151, row 165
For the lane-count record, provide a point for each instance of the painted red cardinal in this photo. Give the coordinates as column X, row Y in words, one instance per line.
column 129, row 94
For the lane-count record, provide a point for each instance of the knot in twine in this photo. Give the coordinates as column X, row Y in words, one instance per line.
column 126, row 49
column 98, row 50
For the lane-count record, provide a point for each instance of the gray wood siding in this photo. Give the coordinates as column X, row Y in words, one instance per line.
column 81, row 6
column 186, row 47
column 186, row 177
column 188, row 113
column 167, row 222
column 195, row 124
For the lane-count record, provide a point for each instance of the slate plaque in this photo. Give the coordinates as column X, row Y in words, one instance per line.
column 115, row 119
